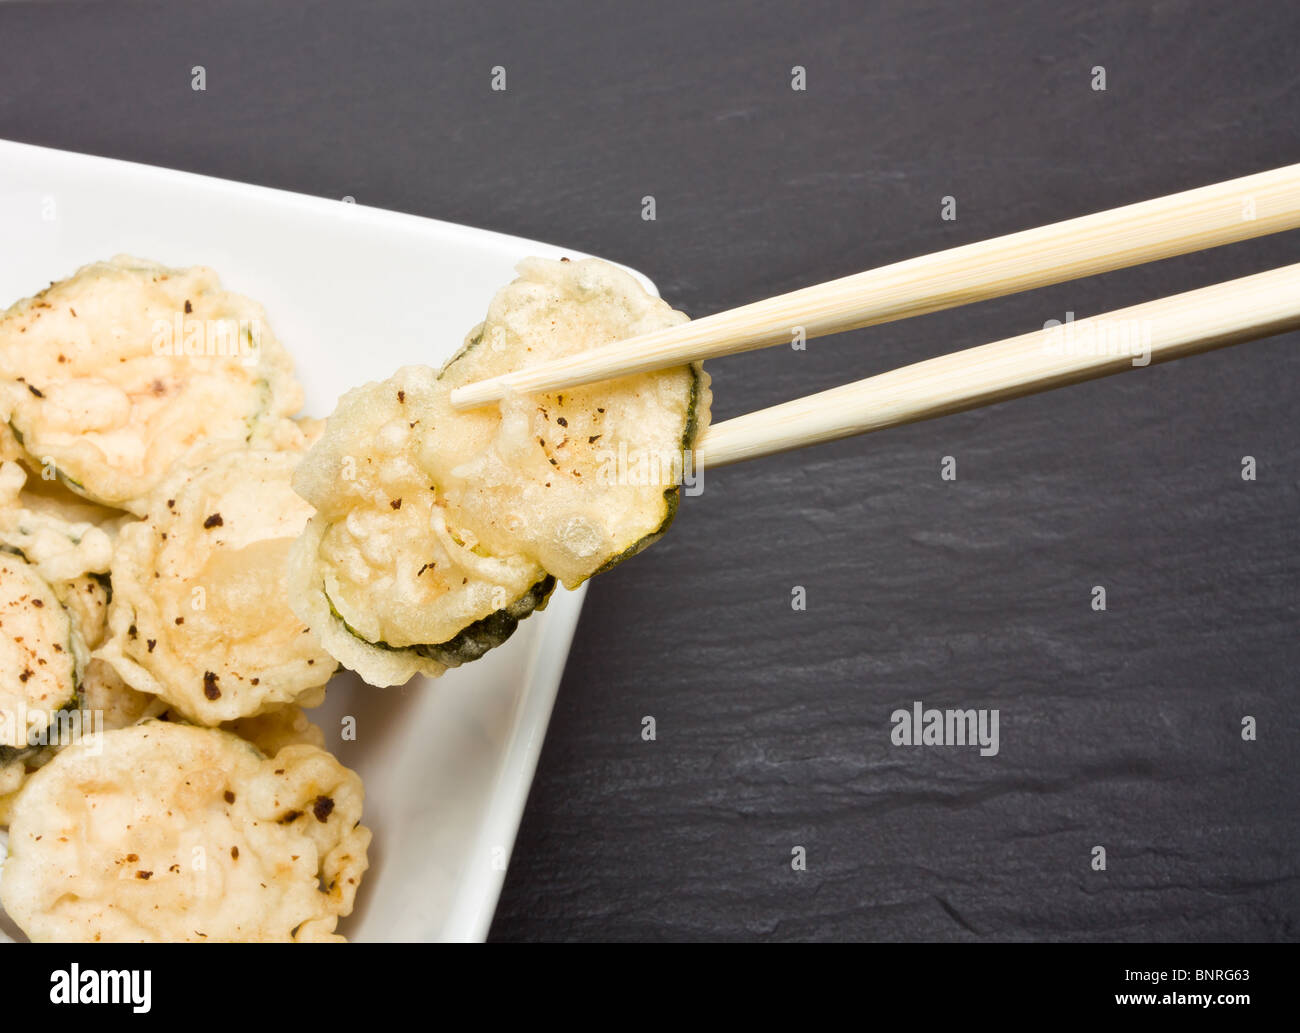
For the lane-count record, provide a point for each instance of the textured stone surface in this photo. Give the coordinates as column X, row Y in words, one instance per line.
column 1119, row 728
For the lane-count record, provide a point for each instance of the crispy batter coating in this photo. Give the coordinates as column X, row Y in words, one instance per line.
column 41, row 656
column 63, row 539
column 436, row 530
column 200, row 615
column 273, row 731
column 173, row 833
column 117, row 372
column 104, row 693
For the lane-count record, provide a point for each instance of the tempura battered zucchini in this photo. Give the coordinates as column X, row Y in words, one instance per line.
column 199, row 616
column 115, row 373
column 41, row 657
column 62, row 541
column 388, row 584
column 170, row 833
column 582, row 478
column 436, row 531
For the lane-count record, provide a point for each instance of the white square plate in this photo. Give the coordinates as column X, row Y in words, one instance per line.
column 354, row 293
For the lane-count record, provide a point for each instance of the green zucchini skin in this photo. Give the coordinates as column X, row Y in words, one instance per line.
column 106, row 581
column 472, row 642
column 492, row 630
column 474, row 339
column 73, row 486
column 78, row 654
column 8, row 754
column 673, row 495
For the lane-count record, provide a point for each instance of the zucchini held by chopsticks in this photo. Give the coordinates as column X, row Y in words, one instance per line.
column 442, row 520
column 437, row 531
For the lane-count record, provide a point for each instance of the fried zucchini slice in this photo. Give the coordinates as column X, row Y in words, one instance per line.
column 44, row 494
column 171, row 833
column 63, row 541
column 66, row 539
column 200, row 615
column 379, row 574
column 41, row 657
column 437, row 531
column 115, row 373
column 579, row 479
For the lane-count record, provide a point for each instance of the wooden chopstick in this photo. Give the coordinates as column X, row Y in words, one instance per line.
column 1223, row 213
column 1169, row 328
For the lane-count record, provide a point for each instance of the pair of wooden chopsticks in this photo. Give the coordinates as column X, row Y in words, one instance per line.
column 1168, row 328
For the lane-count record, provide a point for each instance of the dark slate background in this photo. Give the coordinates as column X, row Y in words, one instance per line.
column 1119, row 729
